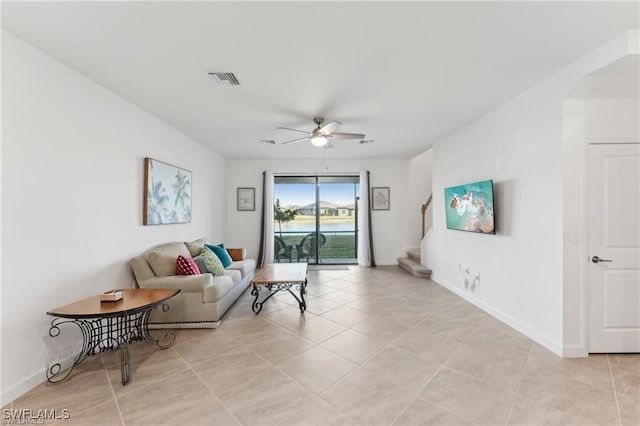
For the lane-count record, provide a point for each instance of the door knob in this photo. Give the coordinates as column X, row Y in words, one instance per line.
column 596, row 259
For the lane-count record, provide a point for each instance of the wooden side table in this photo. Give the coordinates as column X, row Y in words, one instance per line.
column 110, row 325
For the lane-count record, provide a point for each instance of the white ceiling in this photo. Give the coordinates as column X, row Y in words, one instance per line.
column 404, row 73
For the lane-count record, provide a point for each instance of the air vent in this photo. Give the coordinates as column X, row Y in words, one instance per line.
column 224, row 78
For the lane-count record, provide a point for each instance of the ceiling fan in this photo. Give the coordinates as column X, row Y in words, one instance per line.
column 322, row 135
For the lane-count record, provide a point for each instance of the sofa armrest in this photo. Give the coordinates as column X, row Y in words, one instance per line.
column 237, row 253
column 186, row 283
column 141, row 269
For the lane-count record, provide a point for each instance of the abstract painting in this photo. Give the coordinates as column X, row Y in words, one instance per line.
column 167, row 193
column 469, row 207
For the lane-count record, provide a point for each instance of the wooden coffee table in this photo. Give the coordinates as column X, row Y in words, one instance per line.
column 280, row 277
column 110, row 325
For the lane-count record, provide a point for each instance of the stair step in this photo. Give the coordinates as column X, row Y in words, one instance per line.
column 414, row 268
column 414, row 254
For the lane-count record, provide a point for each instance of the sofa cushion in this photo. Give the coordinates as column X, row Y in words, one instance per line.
column 195, row 247
column 221, row 287
column 211, row 262
column 244, row 266
column 162, row 259
column 186, row 266
column 222, row 254
column 235, row 276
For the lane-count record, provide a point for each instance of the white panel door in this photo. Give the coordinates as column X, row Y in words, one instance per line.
column 613, row 197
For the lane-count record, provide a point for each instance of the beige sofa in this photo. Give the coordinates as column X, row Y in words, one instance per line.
column 203, row 299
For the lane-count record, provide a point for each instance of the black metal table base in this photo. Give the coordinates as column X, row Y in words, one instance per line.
column 104, row 334
column 275, row 288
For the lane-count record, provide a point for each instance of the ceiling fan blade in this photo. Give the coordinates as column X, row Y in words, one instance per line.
column 345, row 136
column 295, row 140
column 295, row 130
column 327, row 128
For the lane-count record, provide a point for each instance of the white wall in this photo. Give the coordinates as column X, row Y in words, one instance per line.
column 519, row 145
column 586, row 120
column 388, row 226
column 419, row 189
column 72, row 170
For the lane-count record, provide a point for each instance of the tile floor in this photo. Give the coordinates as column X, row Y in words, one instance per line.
column 375, row 347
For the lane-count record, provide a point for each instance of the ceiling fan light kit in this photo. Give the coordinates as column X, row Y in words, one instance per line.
column 321, row 135
column 319, row 140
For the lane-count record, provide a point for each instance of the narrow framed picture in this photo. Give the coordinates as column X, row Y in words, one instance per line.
column 246, row 199
column 380, row 198
column 167, row 193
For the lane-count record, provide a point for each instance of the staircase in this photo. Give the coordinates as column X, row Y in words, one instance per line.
column 411, row 264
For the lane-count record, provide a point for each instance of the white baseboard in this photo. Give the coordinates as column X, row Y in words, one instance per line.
column 543, row 340
column 387, row 262
column 574, row 351
column 17, row 390
column 40, row 376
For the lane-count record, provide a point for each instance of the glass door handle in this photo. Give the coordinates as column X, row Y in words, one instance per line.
column 596, row 259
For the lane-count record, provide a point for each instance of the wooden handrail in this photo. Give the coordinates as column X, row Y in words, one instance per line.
column 423, row 210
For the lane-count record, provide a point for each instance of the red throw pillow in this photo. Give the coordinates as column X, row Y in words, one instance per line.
column 186, row 266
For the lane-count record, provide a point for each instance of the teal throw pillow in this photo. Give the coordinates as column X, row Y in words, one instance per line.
column 211, row 262
column 222, row 254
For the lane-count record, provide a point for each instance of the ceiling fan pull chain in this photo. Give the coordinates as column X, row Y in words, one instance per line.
column 326, row 159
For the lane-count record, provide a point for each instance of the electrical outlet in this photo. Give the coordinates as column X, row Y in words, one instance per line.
column 466, row 277
column 475, row 281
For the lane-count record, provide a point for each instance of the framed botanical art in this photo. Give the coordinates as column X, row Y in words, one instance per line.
column 167, row 193
column 380, row 198
column 246, row 199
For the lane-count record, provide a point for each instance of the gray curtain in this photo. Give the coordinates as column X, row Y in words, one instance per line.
column 265, row 253
column 261, row 250
column 365, row 232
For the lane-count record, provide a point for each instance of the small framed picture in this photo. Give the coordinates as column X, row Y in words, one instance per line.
column 246, row 199
column 380, row 198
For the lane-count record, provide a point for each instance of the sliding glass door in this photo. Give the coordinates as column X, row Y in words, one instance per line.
column 294, row 216
column 315, row 219
column 338, row 219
